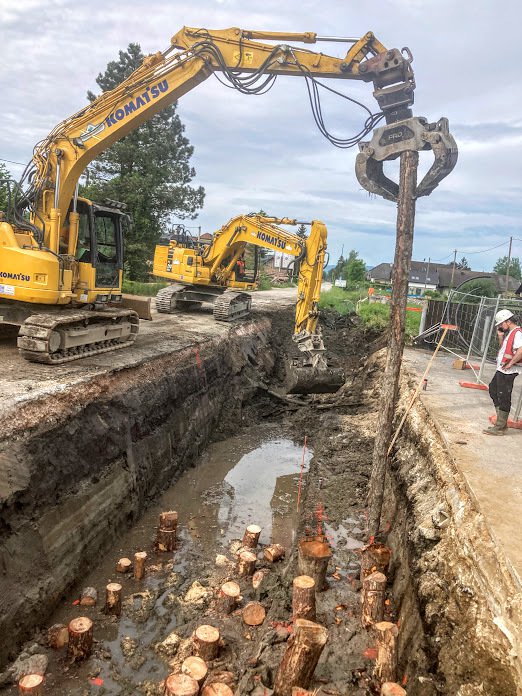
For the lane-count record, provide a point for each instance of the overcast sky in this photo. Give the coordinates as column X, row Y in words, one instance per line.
column 253, row 152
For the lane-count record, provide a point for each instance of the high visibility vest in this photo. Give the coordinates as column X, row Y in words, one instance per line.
column 508, row 353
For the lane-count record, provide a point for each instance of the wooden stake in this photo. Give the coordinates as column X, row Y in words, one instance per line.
column 301, row 657
column 123, row 565
column 253, row 614
column 217, row 689
column 80, row 639
column 113, row 599
column 168, row 520
column 386, row 663
column 297, row 691
column 392, row 689
column 246, row 563
column 409, row 161
column 251, row 536
column 58, row 636
column 89, row 597
column 375, row 557
column 139, row 564
column 303, row 598
column 31, row 684
column 372, row 599
column 228, row 597
column 313, row 557
column 274, row 552
column 196, row 668
column 206, row 642
column 180, row 685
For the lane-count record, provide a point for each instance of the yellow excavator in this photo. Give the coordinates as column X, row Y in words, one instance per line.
column 61, row 256
column 215, row 272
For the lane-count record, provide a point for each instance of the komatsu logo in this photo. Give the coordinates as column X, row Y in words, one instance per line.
column 14, row 276
column 279, row 243
column 136, row 104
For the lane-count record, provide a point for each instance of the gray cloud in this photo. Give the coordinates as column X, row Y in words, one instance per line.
column 266, row 152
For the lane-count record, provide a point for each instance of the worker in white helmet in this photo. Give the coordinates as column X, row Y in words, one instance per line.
column 509, row 365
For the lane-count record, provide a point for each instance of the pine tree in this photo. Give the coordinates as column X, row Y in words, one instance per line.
column 5, row 176
column 463, row 264
column 501, row 267
column 149, row 170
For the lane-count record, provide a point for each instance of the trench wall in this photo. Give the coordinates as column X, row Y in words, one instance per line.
column 460, row 604
column 78, row 469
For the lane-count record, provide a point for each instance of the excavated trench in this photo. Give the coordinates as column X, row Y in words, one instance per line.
column 209, row 432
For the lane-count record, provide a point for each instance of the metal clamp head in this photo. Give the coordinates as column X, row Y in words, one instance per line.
column 390, row 141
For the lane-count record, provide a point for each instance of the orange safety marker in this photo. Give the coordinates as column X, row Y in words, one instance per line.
column 414, row 309
column 450, row 327
column 517, row 425
column 473, row 385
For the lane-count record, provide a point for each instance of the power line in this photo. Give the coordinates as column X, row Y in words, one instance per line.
column 22, row 164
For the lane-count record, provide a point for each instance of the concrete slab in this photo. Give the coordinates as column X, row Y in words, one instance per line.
column 492, row 466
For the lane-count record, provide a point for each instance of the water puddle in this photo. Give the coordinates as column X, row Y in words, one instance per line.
column 252, row 478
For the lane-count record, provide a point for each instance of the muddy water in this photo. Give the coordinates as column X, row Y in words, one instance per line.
column 250, row 478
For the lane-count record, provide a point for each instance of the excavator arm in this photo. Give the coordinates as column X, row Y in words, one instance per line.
column 195, row 54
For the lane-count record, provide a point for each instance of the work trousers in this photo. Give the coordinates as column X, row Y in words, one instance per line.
column 500, row 389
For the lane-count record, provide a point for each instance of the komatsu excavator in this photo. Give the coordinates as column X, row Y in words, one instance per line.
column 57, row 291
column 215, row 273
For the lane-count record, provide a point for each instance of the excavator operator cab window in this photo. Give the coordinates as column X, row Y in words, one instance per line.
column 108, row 247
column 83, row 247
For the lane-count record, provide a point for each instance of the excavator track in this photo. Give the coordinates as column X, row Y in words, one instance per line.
column 54, row 339
column 166, row 298
column 232, row 305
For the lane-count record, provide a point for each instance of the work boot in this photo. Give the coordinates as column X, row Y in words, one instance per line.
column 500, row 426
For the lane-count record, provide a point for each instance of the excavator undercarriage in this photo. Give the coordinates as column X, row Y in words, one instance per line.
column 228, row 305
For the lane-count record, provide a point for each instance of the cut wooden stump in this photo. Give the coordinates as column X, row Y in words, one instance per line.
column 297, row 691
column 31, row 684
column 228, row 597
column 196, row 668
column 168, row 520
column 375, row 558
column 251, row 536
column 123, row 565
column 253, row 614
column 113, row 599
column 80, row 639
column 57, row 636
column 139, row 564
column 222, row 677
column 392, row 689
column 313, row 557
column 386, row 663
column 301, row 657
column 89, row 597
column 206, row 642
column 259, row 577
column 274, row 552
column 372, row 599
column 303, row 598
column 217, row 689
column 180, row 685
column 246, row 563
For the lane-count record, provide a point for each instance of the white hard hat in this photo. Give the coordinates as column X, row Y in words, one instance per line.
column 503, row 315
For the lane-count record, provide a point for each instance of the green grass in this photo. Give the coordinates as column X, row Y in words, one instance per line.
column 375, row 316
column 134, row 287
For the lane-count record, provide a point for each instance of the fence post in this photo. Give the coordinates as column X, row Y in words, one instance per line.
column 490, row 332
column 475, row 327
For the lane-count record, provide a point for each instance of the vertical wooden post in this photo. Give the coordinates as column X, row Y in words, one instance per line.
column 196, row 668
column 228, row 597
column 301, row 657
column 312, row 560
column 390, row 383
column 80, row 639
column 392, row 689
column 139, row 564
column 246, row 563
column 123, row 565
column 274, row 552
column 251, row 536
column 373, row 599
column 386, row 663
column 113, row 599
column 206, row 642
column 375, row 558
column 166, row 534
column 303, row 598
column 180, row 685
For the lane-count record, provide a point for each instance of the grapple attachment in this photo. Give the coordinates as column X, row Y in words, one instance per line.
column 390, row 141
column 310, row 374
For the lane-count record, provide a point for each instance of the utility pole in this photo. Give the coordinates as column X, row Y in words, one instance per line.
column 508, row 263
column 409, row 162
column 453, row 269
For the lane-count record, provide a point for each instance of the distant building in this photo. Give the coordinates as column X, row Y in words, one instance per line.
column 437, row 276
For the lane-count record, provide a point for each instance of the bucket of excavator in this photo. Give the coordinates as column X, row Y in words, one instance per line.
column 318, row 379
